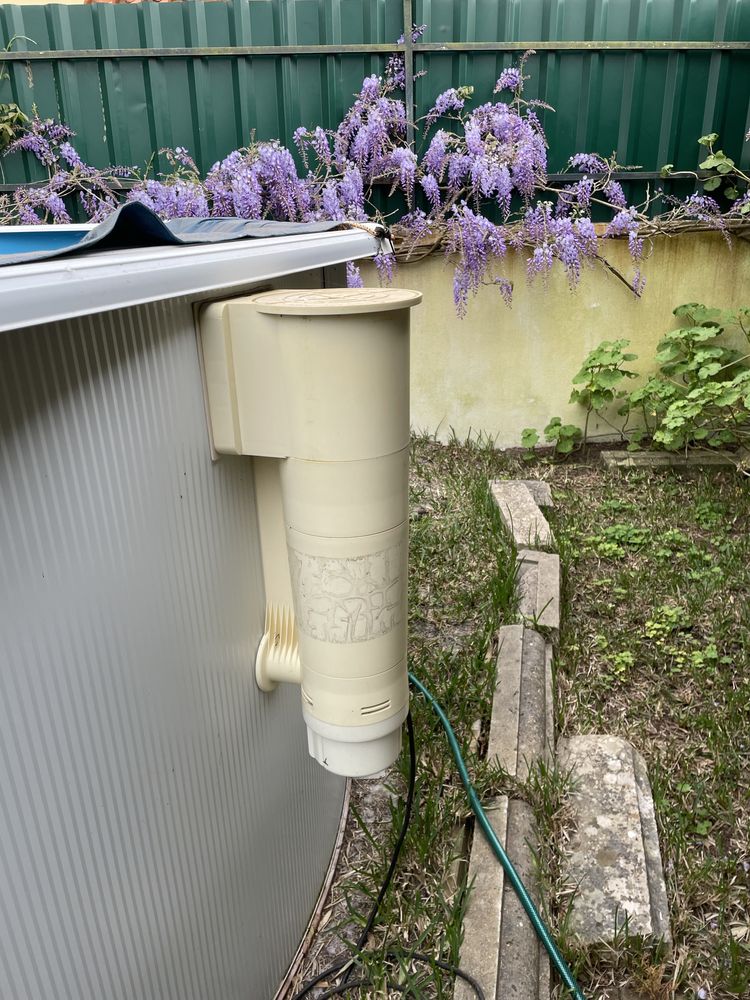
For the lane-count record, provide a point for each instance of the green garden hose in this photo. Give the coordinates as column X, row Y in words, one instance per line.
column 525, row 899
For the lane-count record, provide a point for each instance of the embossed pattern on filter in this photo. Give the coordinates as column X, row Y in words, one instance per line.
column 349, row 600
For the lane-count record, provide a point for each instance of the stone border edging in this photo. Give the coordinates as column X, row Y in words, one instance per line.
column 500, row 946
column 614, row 858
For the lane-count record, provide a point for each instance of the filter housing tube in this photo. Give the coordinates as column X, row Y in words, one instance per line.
column 331, row 368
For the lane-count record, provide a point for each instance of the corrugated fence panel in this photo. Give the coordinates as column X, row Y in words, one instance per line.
column 648, row 106
column 163, row 831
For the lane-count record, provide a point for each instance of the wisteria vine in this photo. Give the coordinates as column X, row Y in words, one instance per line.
column 474, row 185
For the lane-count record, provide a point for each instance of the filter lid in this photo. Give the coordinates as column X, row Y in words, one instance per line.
column 333, row 301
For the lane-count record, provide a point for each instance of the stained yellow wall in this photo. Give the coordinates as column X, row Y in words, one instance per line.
column 499, row 370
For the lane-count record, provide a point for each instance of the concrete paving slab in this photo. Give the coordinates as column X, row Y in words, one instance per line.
column 540, row 491
column 524, row 965
column 693, row 461
column 480, row 955
column 497, row 932
column 520, row 514
column 521, row 727
column 613, row 853
column 538, row 588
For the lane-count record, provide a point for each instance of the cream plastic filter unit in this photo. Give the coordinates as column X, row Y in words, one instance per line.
column 314, row 384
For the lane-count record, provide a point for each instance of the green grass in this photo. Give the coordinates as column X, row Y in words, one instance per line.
column 655, row 647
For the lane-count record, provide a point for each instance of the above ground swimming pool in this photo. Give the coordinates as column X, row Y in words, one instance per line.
column 28, row 239
column 165, row 832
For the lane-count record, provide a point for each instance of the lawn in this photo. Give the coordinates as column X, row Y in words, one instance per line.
column 655, row 647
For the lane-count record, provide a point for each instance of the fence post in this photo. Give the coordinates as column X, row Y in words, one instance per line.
column 409, row 71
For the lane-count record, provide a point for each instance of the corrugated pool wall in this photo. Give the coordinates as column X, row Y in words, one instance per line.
column 163, row 832
column 131, row 79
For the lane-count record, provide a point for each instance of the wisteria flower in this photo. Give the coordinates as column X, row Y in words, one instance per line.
column 510, row 79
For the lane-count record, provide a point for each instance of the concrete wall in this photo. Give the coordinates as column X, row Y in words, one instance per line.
column 499, row 370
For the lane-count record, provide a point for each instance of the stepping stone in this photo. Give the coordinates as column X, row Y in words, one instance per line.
column 521, row 515
column 539, row 490
column 500, row 947
column 613, row 853
column 538, row 588
column 521, row 727
column 692, row 462
column 480, row 949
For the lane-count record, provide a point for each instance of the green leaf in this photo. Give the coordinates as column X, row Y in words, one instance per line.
column 552, row 430
column 687, row 309
column 711, row 183
column 708, row 140
column 529, row 437
column 668, row 353
column 609, row 377
column 731, row 193
column 571, row 431
column 565, row 446
column 666, row 170
column 710, row 162
column 726, row 166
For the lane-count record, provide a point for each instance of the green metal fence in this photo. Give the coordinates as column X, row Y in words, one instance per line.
column 643, row 78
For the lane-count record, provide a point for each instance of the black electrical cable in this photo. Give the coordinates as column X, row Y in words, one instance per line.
column 414, row 956
column 347, row 965
column 370, row 922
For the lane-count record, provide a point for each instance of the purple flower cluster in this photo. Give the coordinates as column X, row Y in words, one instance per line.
column 70, row 155
column 502, row 152
column 47, row 200
column 493, row 157
column 43, row 139
column 317, row 141
column 435, row 158
column 417, row 224
column 68, row 176
column 478, row 243
column 175, row 200
column 402, row 168
column 589, row 163
column 625, row 223
column 372, row 129
column 572, row 241
column 510, row 79
column 353, row 276
column 575, row 196
column 705, row 209
column 417, row 30
column 256, row 183
column 614, row 194
column 449, row 100
column 385, row 263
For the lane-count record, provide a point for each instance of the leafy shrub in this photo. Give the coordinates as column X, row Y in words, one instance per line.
column 700, row 397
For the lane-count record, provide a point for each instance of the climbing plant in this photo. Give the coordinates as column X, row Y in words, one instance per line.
column 473, row 184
